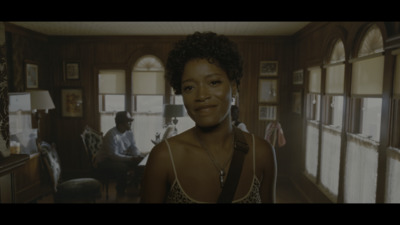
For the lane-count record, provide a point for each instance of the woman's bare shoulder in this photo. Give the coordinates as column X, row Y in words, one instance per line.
column 157, row 156
column 161, row 150
column 263, row 148
column 182, row 139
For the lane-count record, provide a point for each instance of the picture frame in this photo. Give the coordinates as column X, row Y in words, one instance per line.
column 297, row 102
column 72, row 102
column 298, row 77
column 268, row 91
column 267, row 112
column 269, row 68
column 71, row 70
column 31, row 75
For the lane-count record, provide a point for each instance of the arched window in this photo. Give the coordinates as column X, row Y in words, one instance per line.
column 361, row 163
column 148, row 100
column 367, row 82
column 148, row 91
column 331, row 127
column 313, row 121
column 372, row 42
column 148, row 76
column 334, row 85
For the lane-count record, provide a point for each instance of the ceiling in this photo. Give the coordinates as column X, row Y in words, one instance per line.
column 153, row 28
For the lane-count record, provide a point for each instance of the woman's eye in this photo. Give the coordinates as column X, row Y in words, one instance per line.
column 215, row 82
column 187, row 88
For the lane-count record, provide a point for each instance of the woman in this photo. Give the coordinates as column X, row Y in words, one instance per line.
column 206, row 69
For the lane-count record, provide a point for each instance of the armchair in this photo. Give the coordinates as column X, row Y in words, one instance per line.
column 92, row 141
column 77, row 190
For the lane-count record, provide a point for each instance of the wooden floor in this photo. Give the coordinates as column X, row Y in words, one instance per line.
column 286, row 193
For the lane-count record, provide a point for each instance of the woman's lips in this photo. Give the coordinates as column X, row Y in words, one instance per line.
column 205, row 108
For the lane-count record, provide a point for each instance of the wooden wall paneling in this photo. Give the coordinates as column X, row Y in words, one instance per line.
column 285, row 57
column 253, row 52
column 248, row 99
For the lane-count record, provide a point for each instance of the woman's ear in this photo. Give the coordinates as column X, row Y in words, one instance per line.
column 234, row 89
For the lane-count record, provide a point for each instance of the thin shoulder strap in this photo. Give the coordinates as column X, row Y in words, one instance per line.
column 240, row 150
column 172, row 158
column 254, row 155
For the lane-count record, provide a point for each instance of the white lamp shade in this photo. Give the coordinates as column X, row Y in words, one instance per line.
column 40, row 99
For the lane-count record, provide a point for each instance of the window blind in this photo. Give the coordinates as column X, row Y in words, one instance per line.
column 334, row 83
column 148, row 82
column 367, row 77
column 314, row 85
column 112, row 82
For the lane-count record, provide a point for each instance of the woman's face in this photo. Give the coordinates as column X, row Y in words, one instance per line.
column 207, row 92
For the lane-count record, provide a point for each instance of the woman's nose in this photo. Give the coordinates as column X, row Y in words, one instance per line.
column 202, row 93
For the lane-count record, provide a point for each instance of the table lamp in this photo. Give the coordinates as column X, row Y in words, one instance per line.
column 40, row 100
column 174, row 111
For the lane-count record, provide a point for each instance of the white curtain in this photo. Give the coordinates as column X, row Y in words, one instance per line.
column 311, row 151
column 330, row 159
column 393, row 176
column 360, row 170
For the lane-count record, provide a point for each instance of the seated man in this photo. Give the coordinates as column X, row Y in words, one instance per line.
column 119, row 153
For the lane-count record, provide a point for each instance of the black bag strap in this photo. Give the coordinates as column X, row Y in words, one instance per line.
column 240, row 150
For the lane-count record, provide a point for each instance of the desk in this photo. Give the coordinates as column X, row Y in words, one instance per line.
column 144, row 160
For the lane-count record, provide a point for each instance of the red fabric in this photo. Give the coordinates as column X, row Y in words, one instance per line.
column 273, row 133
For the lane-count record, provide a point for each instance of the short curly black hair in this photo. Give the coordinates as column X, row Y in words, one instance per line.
column 217, row 49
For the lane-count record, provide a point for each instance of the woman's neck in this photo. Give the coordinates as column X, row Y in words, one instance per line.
column 216, row 139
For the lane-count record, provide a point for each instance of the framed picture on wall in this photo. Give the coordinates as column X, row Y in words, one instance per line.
column 298, row 77
column 296, row 102
column 267, row 112
column 269, row 68
column 72, row 102
column 31, row 75
column 268, row 91
column 71, row 70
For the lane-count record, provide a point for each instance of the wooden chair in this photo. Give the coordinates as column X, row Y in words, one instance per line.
column 93, row 140
column 77, row 190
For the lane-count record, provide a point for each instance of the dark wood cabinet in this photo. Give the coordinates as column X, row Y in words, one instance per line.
column 31, row 182
column 8, row 167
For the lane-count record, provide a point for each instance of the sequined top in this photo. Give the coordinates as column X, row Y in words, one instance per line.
column 176, row 193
